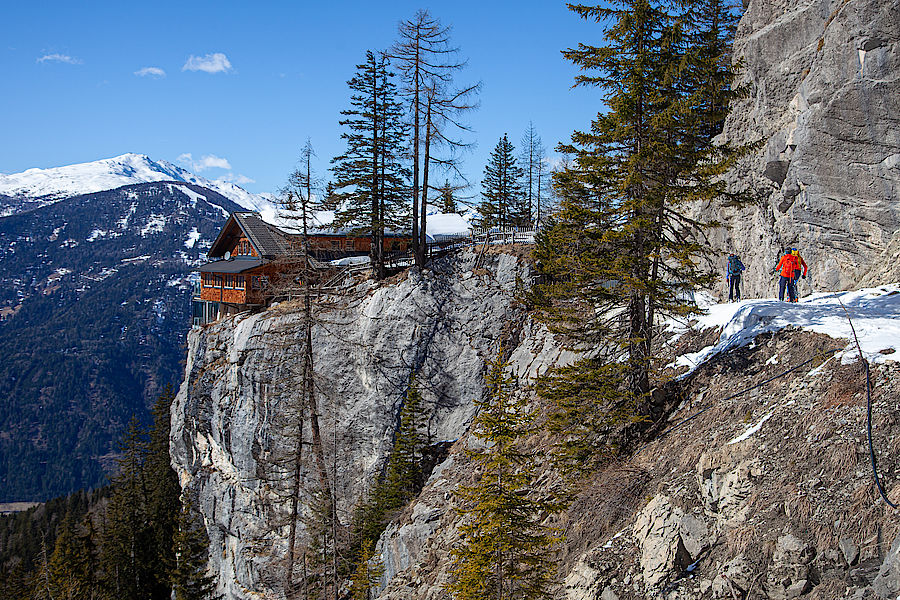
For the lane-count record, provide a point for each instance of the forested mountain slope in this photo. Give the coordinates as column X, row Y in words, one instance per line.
column 94, row 306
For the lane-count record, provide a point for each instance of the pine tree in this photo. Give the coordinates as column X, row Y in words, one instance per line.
column 504, row 202
column 126, row 556
column 73, row 564
column 404, row 470
column 447, row 198
column 370, row 178
column 427, row 62
column 620, row 252
column 163, row 494
column 403, row 475
column 188, row 575
column 367, row 575
column 506, row 551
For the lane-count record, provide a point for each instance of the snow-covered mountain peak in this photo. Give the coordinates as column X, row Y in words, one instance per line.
column 44, row 186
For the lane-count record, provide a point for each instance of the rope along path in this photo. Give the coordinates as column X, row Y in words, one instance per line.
column 827, row 353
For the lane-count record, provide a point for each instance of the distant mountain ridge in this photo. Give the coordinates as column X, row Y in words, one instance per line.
column 94, row 307
column 34, row 188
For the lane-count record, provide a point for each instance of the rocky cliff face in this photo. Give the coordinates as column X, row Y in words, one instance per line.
column 822, row 83
column 765, row 495
column 442, row 325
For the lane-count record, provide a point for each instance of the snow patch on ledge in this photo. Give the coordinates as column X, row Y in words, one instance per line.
column 752, row 429
column 875, row 313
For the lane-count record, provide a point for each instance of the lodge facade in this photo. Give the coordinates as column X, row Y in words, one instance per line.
column 249, row 255
column 240, row 268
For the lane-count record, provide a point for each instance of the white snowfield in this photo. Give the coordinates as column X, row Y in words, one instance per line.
column 57, row 183
column 874, row 312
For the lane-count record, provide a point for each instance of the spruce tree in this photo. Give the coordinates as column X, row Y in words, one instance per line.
column 506, row 550
column 503, row 200
column 72, row 565
column 368, row 574
column 127, row 557
column 447, row 198
column 188, row 575
column 370, row 178
column 163, row 493
column 621, row 253
column 403, row 476
column 404, row 470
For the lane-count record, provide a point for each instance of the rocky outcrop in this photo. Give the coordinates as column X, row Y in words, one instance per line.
column 822, row 84
column 670, row 540
column 441, row 324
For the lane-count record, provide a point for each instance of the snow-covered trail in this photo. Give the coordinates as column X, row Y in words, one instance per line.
column 875, row 313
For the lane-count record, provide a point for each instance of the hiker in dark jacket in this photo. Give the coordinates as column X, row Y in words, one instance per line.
column 733, row 277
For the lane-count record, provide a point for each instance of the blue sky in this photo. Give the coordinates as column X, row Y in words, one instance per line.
column 264, row 77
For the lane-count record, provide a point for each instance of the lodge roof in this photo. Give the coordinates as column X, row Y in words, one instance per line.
column 268, row 240
column 235, row 265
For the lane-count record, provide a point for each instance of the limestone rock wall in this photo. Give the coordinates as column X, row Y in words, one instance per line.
column 442, row 324
column 824, row 102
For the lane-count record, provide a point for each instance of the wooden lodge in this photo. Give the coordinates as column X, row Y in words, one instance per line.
column 249, row 255
column 240, row 268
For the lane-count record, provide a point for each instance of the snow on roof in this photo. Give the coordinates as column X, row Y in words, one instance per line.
column 289, row 221
column 875, row 313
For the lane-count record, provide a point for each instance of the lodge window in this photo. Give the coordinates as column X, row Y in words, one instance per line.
column 207, row 280
column 254, row 282
column 218, row 281
column 229, row 281
column 238, row 282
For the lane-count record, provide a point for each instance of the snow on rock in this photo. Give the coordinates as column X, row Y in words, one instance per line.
column 194, row 196
column 874, row 312
column 155, row 224
column 192, row 238
column 750, row 431
column 95, row 235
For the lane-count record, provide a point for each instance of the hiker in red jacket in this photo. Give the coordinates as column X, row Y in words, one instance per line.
column 788, row 264
column 801, row 265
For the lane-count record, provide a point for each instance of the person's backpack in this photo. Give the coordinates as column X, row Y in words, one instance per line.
column 734, row 265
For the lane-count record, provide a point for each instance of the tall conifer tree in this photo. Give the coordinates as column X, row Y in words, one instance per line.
column 503, row 199
column 621, row 252
column 370, row 177
column 506, row 552
column 188, row 575
column 127, row 557
column 427, row 62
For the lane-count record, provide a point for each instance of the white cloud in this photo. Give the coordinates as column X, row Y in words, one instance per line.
column 185, row 160
column 210, row 63
column 236, row 179
column 207, row 161
column 150, row 72
column 62, row 58
column 211, row 161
